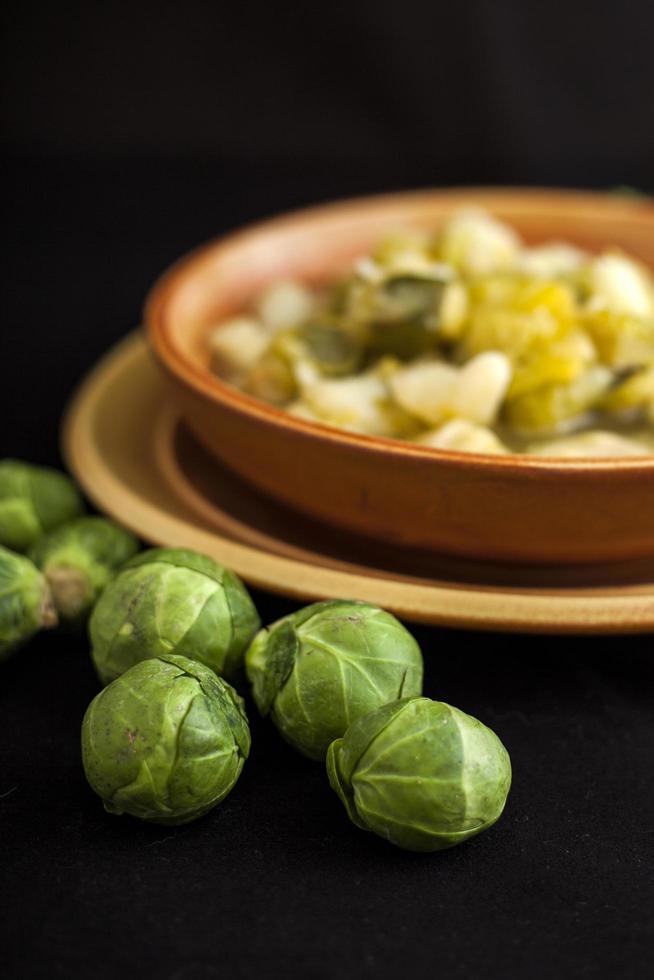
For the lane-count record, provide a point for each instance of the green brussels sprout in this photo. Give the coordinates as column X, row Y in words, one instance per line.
column 25, row 602
column 170, row 600
column 421, row 774
column 33, row 500
column 319, row 669
column 78, row 559
column 166, row 741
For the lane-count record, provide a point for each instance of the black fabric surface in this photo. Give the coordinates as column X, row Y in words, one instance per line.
column 424, row 91
column 276, row 881
column 132, row 132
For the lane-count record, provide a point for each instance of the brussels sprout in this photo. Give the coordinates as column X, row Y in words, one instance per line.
column 170, row 600
column 33, row 500
column 166, row 741
column 79, row 558
column 322, row 667
column 421, row 774
column 25, row 602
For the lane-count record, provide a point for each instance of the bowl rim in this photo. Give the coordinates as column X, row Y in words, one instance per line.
column 204, row 383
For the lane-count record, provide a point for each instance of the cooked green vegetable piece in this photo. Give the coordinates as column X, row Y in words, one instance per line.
column 335, row 352
column 634, row 391
column 33, row 500
column 170, row 600
column 79, row 558
column 404, row 316
column 553, row 408
column 421, row 774
column 166, row 741
column 314, row 672
column 25, row 602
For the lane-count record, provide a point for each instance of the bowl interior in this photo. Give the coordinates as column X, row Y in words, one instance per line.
column 315, row 245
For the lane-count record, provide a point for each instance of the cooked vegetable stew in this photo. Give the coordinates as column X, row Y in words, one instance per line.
column 464, row 340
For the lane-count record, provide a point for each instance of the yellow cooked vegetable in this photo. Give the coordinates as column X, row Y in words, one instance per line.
column 558, row 408
column 465, row 338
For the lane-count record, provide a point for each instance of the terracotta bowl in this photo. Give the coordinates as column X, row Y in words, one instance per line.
column 514, row 508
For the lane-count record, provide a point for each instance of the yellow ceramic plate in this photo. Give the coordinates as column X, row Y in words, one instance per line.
column 127, row 447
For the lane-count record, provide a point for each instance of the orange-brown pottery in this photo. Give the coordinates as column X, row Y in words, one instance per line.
column 515, row 508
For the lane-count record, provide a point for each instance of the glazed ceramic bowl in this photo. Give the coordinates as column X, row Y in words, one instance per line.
column 515, row 508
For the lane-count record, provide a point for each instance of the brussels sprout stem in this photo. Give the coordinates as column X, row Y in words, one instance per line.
column 69, row 588
column 47, row 610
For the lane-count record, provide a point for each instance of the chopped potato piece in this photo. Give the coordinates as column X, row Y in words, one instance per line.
column 477, row 244
column 464, row 436
column 406, row 251
column 453, row 310
column 434, row 391
column 236, row 345
column 621, row 286
column 480, row 387
column 425, row 390
column 552, row 261
column 590, row 444
column 361, row 403
column 302, row 411
column 285, row 305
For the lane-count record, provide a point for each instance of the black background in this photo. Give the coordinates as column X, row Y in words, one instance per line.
column 131, row 132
